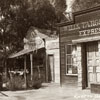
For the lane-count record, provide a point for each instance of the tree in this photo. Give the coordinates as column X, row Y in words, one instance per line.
column 84, row 4
column 60, row 7
column 43, row 12
column 16, row 18
column 9, row 34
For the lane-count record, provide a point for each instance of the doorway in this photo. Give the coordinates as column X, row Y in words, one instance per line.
column 51, row 76
column 93, row 68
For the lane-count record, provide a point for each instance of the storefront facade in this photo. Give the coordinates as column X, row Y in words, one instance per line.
column 80, row 49
column 40, row 56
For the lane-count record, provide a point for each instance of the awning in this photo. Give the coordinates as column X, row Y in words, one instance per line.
column 39, row 44
column 20, row 53
column 86, row 39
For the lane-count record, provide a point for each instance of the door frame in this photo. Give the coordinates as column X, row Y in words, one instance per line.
column 84, row 66
column 52, row 80
column 95, row 44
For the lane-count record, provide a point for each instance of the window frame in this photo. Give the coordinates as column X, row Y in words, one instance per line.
column 66, row 61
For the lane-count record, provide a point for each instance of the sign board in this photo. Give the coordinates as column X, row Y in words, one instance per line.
column 84, row 25
column 52, row 44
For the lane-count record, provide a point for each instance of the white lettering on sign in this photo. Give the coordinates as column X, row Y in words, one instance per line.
column 89, row 32
column 82, row 25
column 91, row 23
column 73, row 27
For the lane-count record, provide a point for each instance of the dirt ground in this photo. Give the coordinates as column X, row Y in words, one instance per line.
column 50, row 92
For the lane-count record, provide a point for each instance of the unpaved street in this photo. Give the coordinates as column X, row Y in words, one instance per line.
column 50, row 92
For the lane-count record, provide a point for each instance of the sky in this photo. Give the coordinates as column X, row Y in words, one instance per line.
column 69, row 4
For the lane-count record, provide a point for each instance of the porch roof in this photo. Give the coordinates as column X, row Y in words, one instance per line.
column 20, row 53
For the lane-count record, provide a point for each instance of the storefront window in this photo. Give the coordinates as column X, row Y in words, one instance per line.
column 71, row 67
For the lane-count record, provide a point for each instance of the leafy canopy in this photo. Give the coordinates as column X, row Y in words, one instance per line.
column 16, row 16
column 84, row 4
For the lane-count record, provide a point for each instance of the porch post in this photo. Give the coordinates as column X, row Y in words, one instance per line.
column 46, row 56
column 25, row 71
column 46, row 61
column 31, row 60
column 5, row 64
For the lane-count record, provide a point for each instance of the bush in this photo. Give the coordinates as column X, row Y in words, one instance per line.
column 16, row 83
column 35, row 83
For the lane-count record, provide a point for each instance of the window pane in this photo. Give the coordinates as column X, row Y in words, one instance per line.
column 69, row 49
column 69, row 69
column 73, row 49
column 74, row 69
column 69, row 57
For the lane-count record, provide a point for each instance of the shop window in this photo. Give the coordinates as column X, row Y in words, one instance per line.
column 71, row 67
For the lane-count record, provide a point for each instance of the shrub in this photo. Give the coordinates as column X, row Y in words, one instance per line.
column 16, row 83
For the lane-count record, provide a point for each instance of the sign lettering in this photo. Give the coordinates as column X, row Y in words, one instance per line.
column 85, row 28
column 89, row 32
column 83, row 25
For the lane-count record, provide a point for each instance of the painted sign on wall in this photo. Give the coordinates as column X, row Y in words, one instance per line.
column 84, row 25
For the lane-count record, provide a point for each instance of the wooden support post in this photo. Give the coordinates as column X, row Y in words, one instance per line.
column 31, row 60
column 25, row 71
column 5, row 64
column 46, row 62
column 39, row 71
column 46, row 59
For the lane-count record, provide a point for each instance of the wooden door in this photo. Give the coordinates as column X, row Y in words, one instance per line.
column 93, row 67
column 51, row 76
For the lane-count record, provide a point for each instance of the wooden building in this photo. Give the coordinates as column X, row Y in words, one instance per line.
column 80, row 49
column 52, row 51
column 39, row 54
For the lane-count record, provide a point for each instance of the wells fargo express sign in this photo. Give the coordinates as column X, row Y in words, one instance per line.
column 85, row 24
column 85, row 28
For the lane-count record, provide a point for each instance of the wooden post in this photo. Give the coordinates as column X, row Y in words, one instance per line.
column 46, row 62
column 46, row 59
column 31, row 60
column 25, row 71
column 5, row 65
column 39, row 71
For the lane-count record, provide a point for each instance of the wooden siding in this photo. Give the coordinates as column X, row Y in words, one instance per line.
column 66, row 80
column 55, row 53
column 70, row 81
column 71, row 31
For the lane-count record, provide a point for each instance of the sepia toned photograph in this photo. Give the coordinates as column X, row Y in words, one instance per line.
column 49, row 50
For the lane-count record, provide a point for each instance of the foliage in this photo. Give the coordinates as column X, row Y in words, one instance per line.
column 17, row 82
column 16, row 16
column 60, row 6
column 44, row 14
column 36, row 83
column 84, row 4
column 10, row 33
